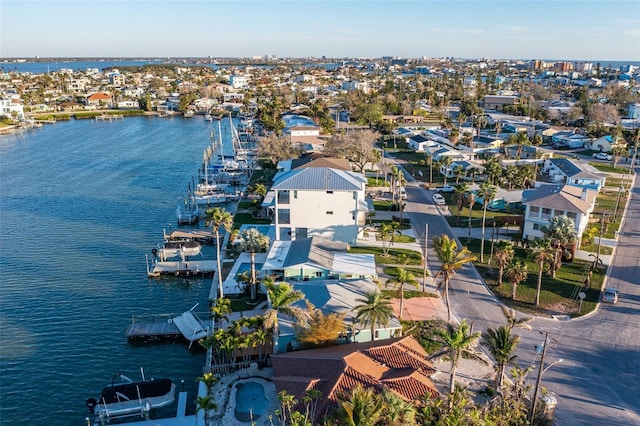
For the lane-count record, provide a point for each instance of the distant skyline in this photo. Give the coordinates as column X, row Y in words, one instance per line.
column 593, row 30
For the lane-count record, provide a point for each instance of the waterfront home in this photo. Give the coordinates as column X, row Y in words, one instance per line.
column 547, row 201
column 316, row 258
column 563, row 170
column 336, row 297
column 319, row 201
column 399, row 365
column 98, row 100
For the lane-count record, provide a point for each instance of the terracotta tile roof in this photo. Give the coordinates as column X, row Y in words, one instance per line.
column 399, row 365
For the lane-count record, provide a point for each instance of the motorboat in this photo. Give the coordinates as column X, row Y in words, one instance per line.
column 177, row 248
column 125, row 397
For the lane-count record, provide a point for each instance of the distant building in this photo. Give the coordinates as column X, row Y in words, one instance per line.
column 496, row 102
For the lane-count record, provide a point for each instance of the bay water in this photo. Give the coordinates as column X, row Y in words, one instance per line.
column 81, row 204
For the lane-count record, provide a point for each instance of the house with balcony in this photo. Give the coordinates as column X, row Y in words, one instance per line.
column 319, row 201
column 547, row 201
column 563, row 170
column 98, row 100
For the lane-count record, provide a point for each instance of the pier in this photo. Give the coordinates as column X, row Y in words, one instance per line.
column 103, row 117
column 182, row 268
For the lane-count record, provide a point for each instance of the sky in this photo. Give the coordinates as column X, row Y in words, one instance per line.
column 499, row 29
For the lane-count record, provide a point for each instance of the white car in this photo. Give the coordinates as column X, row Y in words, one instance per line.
column 438, row 199
column 446, row 188
column 601, row 156
column 610, row 295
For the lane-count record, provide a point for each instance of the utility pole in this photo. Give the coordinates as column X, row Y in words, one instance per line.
column 540, row 370
column 424, row 271
column 602, row 220
column 493, row 232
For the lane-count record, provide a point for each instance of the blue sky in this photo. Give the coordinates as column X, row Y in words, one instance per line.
column 518, row 29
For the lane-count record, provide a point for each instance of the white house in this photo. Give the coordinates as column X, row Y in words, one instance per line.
column 319, row 201
column 11, row 106
column 563, row 170
column 547, row 201
column 238, row 81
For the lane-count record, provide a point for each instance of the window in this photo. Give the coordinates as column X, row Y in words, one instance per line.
column 318, row 274
column 295, row 194
column 329, row 212
column 572, row 215
column 546, row 211
column 534, row 209
column 536, row 226
column 329, row 192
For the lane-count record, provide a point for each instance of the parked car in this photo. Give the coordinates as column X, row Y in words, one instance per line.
column 601, row 156
column 610, row 295
column 438, row 199
column 445, row 188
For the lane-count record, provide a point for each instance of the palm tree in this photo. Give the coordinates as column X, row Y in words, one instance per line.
column 219, row 218
column 281, row 299
column 374, row 308
column 504, row 254
column 520, row 139
column 220, row 310
column 488, row 193
column 459, row 197
column 561, row 232
column 513, row 321
column 396, row 410
column 403, row 277
column 253, row 241
column 493, row 169
column 516, row 273
column 452, row 260
column 360, row 407
column 618, row 151
column 470, row 200
column 542, row 254
column 445, row 162
column 501, row 344
column 458, row 171
column 457, row 342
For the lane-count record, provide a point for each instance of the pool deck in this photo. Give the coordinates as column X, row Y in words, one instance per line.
column 224, row 396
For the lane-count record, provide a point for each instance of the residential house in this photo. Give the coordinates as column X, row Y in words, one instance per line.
column 11, row 107
column 98, row 100
column 568, row 140
column 547, row 201
column 399, row 365
column 563, row 170
column 603, row 144
column 467, row 168
column 420, row 142
column 316, row 258
column 320, row 201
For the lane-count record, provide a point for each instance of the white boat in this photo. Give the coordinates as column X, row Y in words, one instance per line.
column 206, row 199
column 208, row 117
column 128, row 398
column 177, row 248
column 188, row 113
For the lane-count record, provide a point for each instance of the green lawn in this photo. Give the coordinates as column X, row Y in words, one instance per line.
column 557, row 294
column 413, row 257
column 372, row 181
column 244, row 218
column 393, row 271
column 608, row 168
column 383, row 205
column 408, row 294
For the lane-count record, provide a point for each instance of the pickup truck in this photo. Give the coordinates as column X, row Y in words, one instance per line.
column 444, row 188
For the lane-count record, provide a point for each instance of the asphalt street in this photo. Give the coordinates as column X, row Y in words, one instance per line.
column 598, row 380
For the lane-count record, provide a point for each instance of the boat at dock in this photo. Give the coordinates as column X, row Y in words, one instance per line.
column 127, row 398
column 175, row 257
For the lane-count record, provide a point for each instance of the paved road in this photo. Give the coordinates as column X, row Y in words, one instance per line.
column 599, row 380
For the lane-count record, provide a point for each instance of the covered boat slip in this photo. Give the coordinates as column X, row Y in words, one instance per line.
column 187, row 324
column 133, row 398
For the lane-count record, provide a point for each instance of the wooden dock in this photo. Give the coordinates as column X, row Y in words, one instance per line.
column 158, row 326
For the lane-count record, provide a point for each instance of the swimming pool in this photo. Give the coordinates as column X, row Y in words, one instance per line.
column 251, row 401
column 297, row 120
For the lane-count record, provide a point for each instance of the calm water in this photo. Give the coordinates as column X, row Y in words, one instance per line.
column 81, row 203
